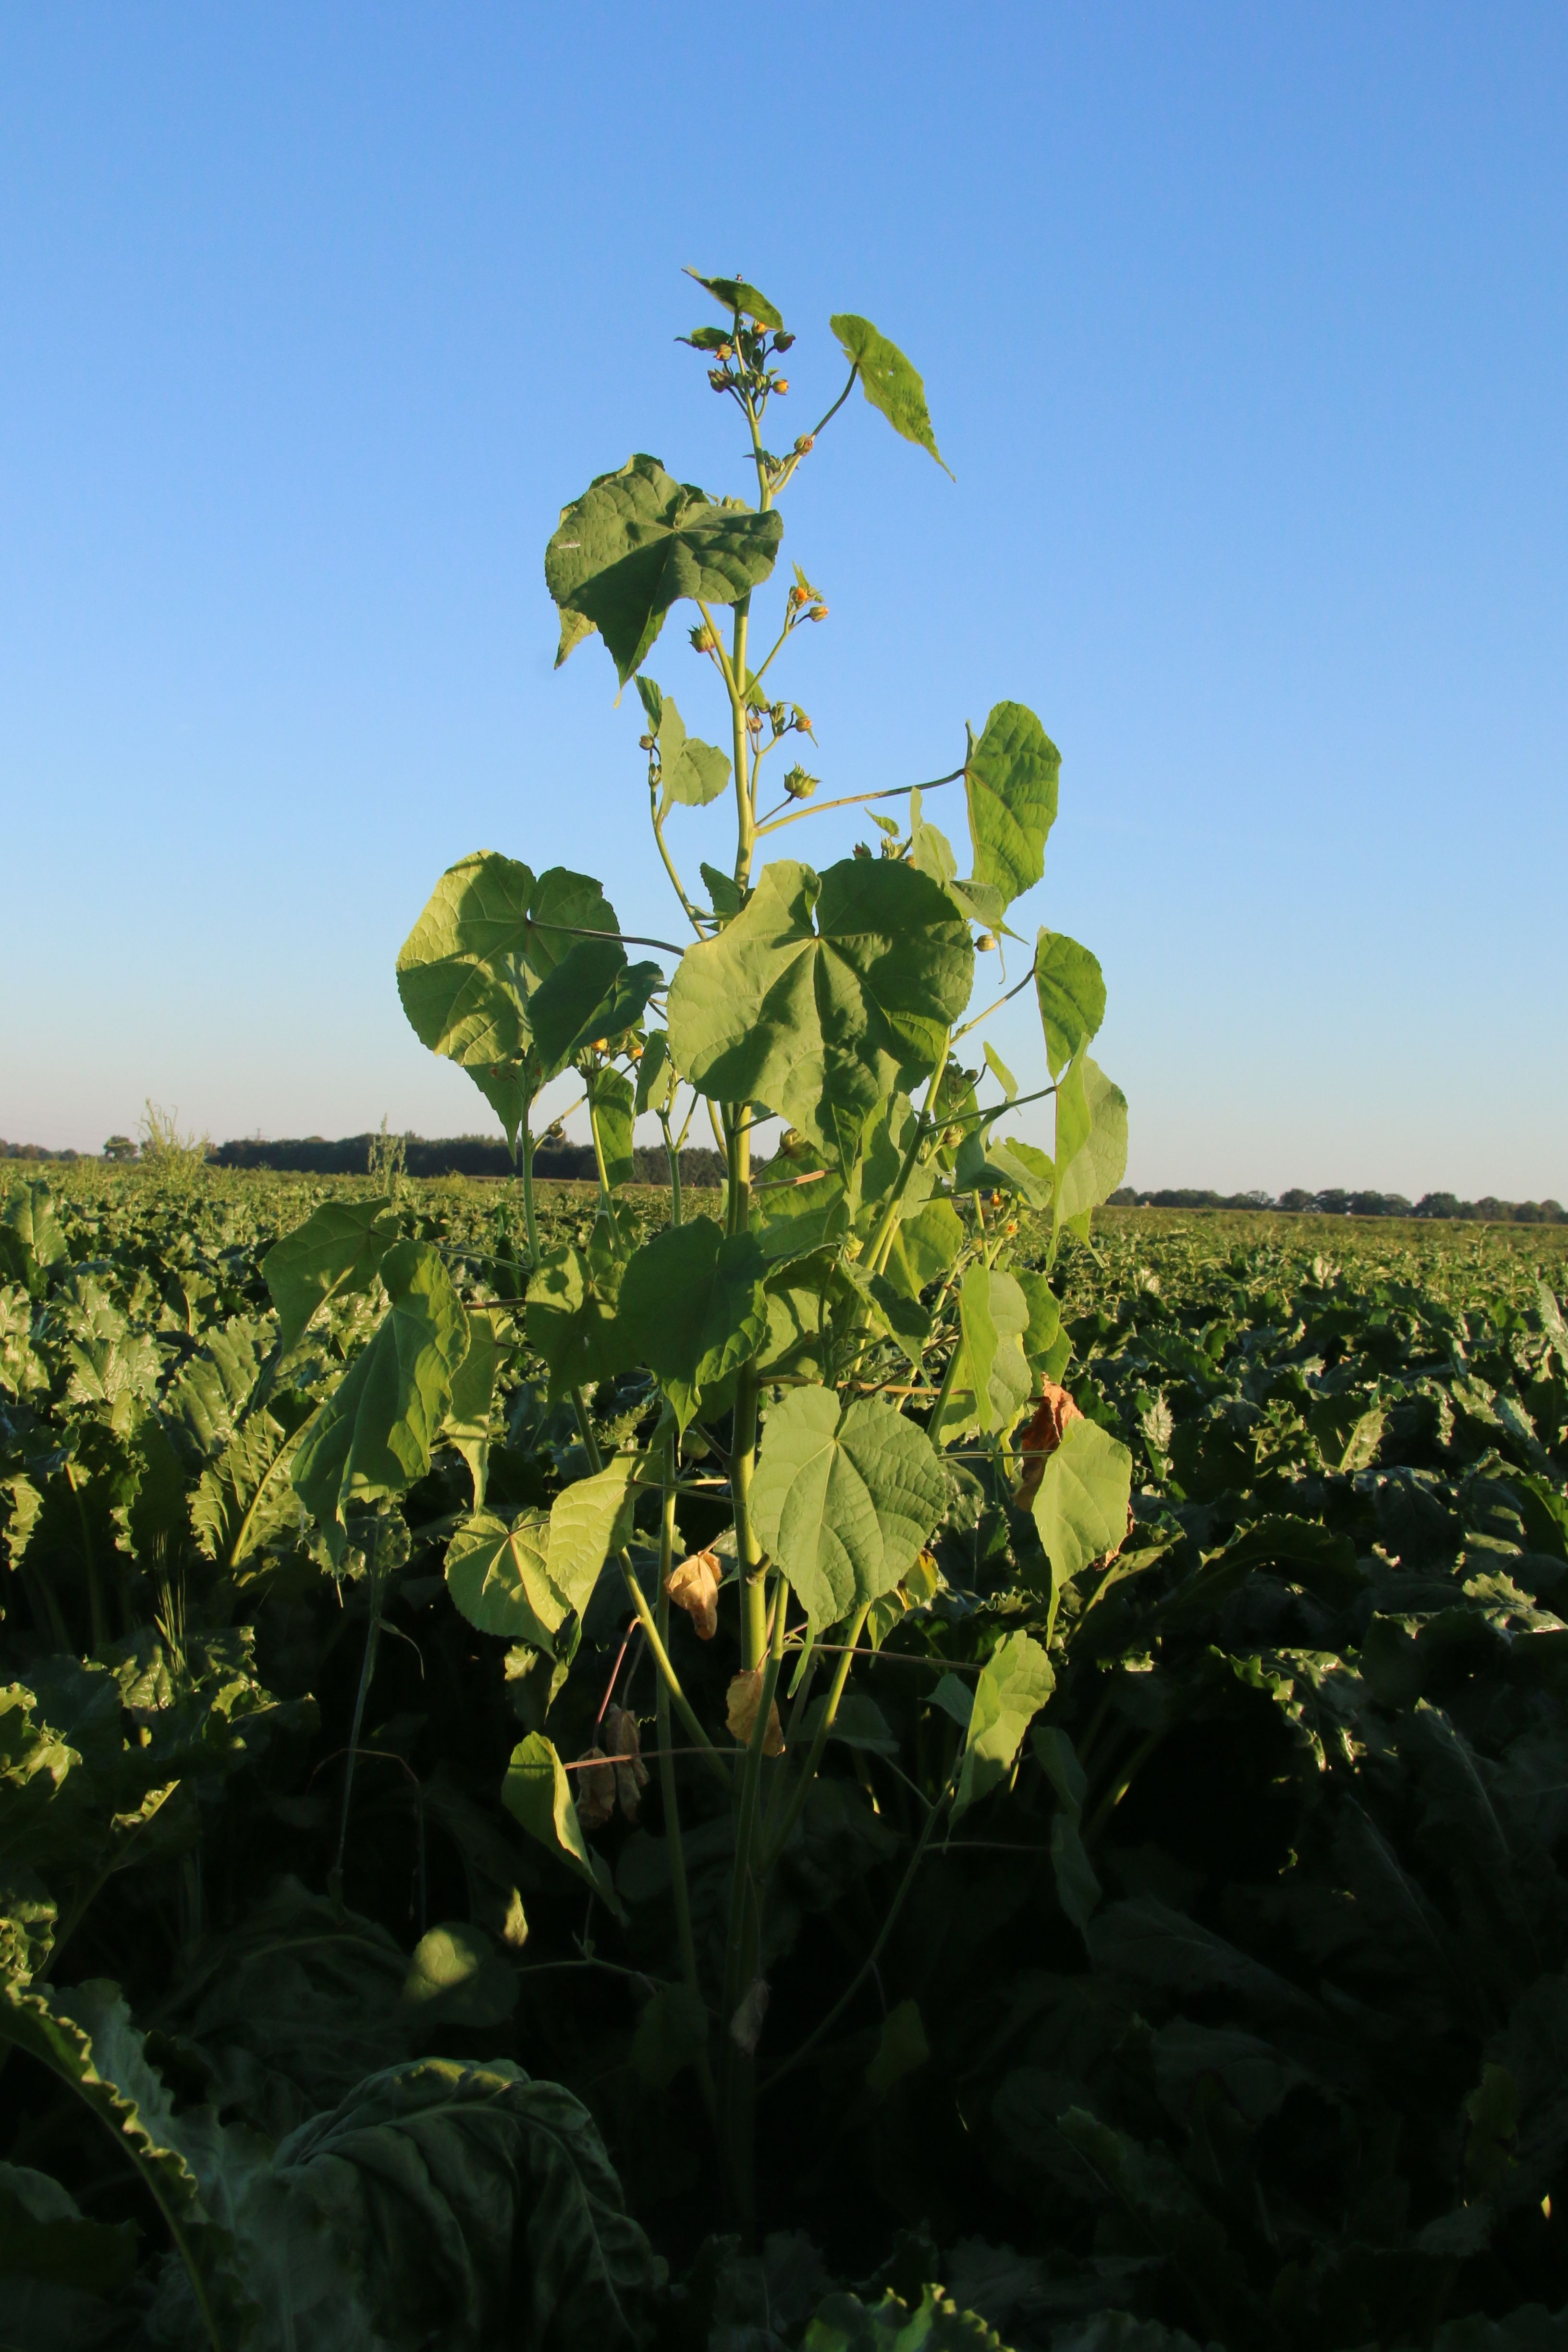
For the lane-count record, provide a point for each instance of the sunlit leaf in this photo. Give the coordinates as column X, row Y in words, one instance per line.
column 823, row 996
column 637, row 541
column 498, row 1577
column 1015, row 1684
column 843, row 1502
column 887, row 381
column 374, row 1435
column 691, row 1306
column 1071, row 990
column 1011, row 779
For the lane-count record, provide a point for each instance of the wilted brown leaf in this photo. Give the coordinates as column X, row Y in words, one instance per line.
column 631, row 1777
column 1053, row 1415
column 745, row 1696
column 693, row 1586
column 594, row 1787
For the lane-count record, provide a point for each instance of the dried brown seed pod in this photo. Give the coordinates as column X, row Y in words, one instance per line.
column 693, row 1586
column 744, row 1697
column 620, row 1729
column 1053, row 1416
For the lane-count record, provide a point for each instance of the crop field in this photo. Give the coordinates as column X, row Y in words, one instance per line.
column 1231, row 2000
column 881, row 1758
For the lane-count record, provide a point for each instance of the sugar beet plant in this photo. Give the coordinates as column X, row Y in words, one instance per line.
column 780, row 1408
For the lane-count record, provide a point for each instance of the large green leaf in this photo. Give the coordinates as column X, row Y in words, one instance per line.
column 1092, row 1141
column 843, row 1502
column 691, row 1306
column 30, row 1236
column 335, row 1252
column 491, row 933
column 1070, row 988
column 570, row 1320
column 1011, row 778
column 537, row 1791
column 887, row 381
column 449, row 2202
column 476, row 2208
column 924, row 1246
column 244, row 1500
column 497, row 1576
column 992, row 1381
column 823, row 996
column 588, row 1521
column 1080, row 1504
column 636, row 542
column 1015, row 1684
column 593, row 992
column 467, row 1422
column 374, row 1435
column 86, row 2039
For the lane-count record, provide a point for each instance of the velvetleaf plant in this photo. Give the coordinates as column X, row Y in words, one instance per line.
column 838, row 1363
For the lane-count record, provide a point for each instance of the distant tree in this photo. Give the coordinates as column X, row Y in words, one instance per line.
column 1437, row 1205
column 1335, row 1204
column 120, row 1147
column 1296, row 1203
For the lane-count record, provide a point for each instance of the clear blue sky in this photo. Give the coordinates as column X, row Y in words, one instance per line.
column 1245, row 334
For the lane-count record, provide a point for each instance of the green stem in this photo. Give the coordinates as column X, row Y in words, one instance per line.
column 744, row 1943
column 525, row 1170
column 1120, row 1786
column 676, row 882
column 882, row 1238
column 808, row 1772
column 367, row 1669
column 587, row 1432
column 684, row 1707
column 672, row 1153
column 776, row 822
column 674, row 1840
column 607, row 1199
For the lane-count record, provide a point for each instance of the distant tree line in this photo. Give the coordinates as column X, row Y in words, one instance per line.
column 1340, row 1203
column 453, row 1155
column 487, row 1155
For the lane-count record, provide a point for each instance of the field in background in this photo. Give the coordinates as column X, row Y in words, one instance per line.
column 1460, row 1262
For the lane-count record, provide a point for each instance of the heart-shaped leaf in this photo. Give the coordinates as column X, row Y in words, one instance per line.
column 843, row 1502
column 823, row 996
column 593, row 992
column 335, row 1253
column 490, row 934
column 498, row 1579
column 691, row 1306
column 636, row 542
